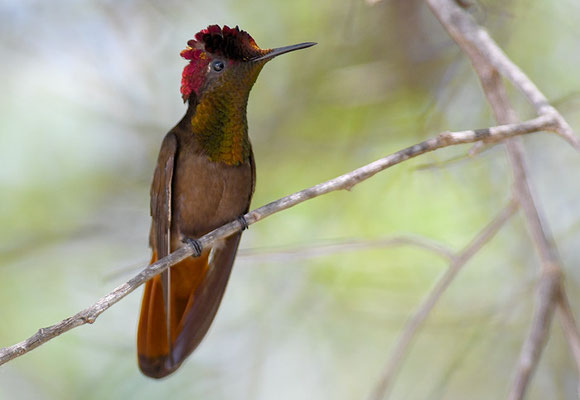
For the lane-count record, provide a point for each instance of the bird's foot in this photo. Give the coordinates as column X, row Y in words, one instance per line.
column 195, row 245
column 243, row 222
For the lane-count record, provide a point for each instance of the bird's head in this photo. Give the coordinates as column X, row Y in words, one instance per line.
column 225, row 57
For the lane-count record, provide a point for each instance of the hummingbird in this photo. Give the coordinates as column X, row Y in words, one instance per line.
column 205, row 177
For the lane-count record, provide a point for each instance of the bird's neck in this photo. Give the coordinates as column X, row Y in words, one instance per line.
column 218, row 122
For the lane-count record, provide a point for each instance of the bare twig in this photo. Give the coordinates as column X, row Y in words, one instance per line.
column 549, row 283
column 487, row 59
column 477, row 43
column 416, row 321
column 550, row 279
column 320, row 249
column 337, row 246
column 569, row 327
column 538, row 335
column 346, row 181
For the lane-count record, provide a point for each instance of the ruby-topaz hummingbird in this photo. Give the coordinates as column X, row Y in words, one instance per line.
column 204, row 178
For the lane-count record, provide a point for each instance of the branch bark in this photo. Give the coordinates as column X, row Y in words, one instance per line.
column 479, row 46
column 346, row 181
column 489, row 61
column 334, row 247
column 384, row 385
column 570, row 328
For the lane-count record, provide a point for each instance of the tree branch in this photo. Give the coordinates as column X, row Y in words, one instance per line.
column 306, row 251
column 346, row 181
column 550, row 279
column 569, row 327
column 478, row 45
column 539, row 333
column 416, row 321
column 488, row 59
column 334, row 247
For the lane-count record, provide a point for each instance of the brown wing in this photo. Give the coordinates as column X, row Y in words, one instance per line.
column 153, row 338
column 161, row 191
column 161, row 196
column 253, row 169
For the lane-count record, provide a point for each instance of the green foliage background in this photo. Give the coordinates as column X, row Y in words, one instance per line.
column 90, row 87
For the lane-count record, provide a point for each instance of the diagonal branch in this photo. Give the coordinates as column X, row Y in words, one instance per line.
column 535, row 342
column 569, row 327
column 549, row 285
column 479, row 46
column 489, row 61
column 346, row 181
column 416, row 321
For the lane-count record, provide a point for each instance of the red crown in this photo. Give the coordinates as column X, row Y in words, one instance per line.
column 231, row 43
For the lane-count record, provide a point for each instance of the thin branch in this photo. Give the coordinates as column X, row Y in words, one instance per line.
column 477, row 43
column 550, row 280
column 549, row 283
column 539, row 333
column 569, row 327
column 488, row 59
column 334, row 247
column 346, row 181
column 416, row 321
column 321, row 249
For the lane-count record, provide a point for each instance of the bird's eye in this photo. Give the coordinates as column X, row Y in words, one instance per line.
column 217, row 65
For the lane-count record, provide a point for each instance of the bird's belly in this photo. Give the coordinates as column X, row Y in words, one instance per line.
column 207, row 195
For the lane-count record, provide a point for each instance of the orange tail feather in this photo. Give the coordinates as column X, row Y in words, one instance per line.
column 155, row 359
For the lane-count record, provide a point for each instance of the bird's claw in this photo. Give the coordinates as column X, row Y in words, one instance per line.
column 243, row 222
column 195, row 245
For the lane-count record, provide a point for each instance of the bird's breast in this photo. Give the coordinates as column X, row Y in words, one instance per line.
column 207, row 194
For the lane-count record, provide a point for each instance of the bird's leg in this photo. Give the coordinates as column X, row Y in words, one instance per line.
column 195, row 245
column 243, row 222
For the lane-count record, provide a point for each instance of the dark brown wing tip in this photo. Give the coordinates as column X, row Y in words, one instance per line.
column 156, row 368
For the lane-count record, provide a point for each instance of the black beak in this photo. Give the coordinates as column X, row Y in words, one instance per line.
column 283, row 50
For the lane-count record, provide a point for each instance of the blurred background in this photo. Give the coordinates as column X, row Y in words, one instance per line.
column 88, row 90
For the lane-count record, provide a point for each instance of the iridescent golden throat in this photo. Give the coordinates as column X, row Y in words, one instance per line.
column 220, row 122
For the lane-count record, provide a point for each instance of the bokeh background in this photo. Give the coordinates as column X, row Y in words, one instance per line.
column 87, row 91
